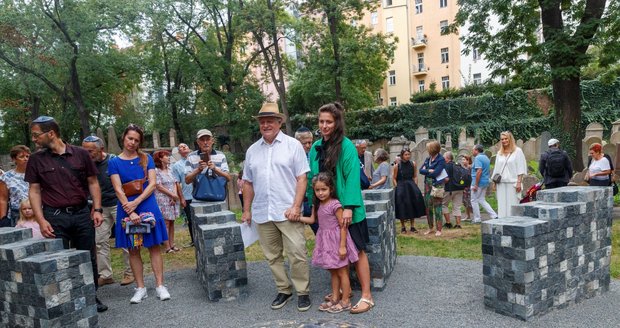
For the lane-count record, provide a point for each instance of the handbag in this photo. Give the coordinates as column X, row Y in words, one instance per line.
column 437, row 192
column 497, row 177
column 210, row 187
column 135, row 187
column 364, row 182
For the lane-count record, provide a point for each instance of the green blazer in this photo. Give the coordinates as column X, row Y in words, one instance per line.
column 347, row 182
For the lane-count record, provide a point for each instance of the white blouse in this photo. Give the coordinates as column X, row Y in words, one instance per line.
column 515, row 165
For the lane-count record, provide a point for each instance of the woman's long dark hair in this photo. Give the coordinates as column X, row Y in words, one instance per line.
column 328, row 180
column 332, row 153
column 141, row 154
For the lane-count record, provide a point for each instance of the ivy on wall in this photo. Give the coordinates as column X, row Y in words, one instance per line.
column 485, row 116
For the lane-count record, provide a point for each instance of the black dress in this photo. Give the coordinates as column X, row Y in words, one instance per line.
column 409, row 200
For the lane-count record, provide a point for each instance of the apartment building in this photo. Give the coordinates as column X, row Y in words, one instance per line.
column 425, row 53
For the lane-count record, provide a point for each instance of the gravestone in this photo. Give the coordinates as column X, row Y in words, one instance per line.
column 520, row 143
column 438, row 136
column 530, row 150
column 449, row 141
column 594, row 130
column 610, row 149
column 543, row 141
column 462, row 138
column 615, row 138
column 113, row 147
column 550, row 253
column 395, row 145
column 615, row 126
column 421, row 134
column 101, row 136
column 156, row 144
column 172, row 134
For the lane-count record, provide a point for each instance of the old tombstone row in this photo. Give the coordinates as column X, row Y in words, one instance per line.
column 551, row 253
column 44, row 285
column 220, row 256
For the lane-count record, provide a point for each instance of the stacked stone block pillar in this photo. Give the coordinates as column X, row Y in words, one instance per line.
column 220, row 255
column 381, row 249
column 44, row 285
column 550, row 253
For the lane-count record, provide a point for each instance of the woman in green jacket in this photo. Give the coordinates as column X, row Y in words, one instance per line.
column 335, row 153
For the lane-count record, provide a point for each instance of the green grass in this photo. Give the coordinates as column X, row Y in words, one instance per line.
column 454, row 243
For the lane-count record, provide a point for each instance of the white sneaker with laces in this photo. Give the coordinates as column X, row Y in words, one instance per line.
column 138, row 296
column 162, row 293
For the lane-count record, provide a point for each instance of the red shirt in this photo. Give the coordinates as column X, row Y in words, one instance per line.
column 59, row 186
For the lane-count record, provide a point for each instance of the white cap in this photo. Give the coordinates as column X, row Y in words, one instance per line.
column 553, row 142
column 203, row 132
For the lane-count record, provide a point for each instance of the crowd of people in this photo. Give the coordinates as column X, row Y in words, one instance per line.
column 78, row 194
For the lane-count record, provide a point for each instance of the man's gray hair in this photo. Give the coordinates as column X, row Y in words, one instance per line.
column 448, row 155
column 359, row 142
column 99, row 143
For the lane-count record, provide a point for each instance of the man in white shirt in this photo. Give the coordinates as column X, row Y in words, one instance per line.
column 179, row 173
column 275, row 183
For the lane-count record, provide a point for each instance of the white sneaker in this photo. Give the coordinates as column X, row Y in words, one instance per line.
column 475, row 221
column 162, row 293
column 138, row 296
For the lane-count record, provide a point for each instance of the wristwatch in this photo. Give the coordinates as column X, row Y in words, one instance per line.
column 100, row 210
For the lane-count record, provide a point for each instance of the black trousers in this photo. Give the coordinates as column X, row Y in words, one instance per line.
column 556, row 185
column 76, row 230
column 188, row 215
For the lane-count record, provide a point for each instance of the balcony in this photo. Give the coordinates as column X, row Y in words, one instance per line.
column 419, row 70
column 418, row 43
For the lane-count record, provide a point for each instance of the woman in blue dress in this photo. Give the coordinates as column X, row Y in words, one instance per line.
column 131, row 165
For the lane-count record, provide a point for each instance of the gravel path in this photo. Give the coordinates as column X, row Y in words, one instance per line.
column 422, row 292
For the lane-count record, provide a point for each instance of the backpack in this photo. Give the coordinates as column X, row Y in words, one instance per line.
column 461, row 177
column 364, row 182
column 555, row 164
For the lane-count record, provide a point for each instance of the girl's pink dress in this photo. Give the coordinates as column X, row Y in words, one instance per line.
column 36, row 231
column 327, row 242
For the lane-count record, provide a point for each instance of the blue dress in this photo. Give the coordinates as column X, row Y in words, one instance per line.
column 129, row 170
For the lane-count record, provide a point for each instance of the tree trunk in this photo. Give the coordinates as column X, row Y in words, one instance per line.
column 567, row 101
column 78, row 100
column 332, row 20
column 280, row 83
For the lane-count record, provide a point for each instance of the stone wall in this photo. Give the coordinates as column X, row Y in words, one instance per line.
column 220, row 254
column 44, row 285
column 381, row 249
column 551, row 253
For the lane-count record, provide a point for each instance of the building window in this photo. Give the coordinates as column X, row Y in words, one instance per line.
column 419, row 32
column 393, row 101
column 388, row 3
column 418, row 7
column 445, row 82
column 443, row 3
column 444, row 56
column 443, row 27
column 391, row 77
column 477, row 78
column 389, row 25
column 374, row 18
column 421, row 66
column 421, row 86
column 476, row 54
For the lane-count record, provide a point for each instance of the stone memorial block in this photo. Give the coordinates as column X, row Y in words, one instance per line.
column 615, row 126
column 220, row 255
column 438, row 136
column 395, row 145
column 381, row 249
column 594, row 130
column 44, row 285
column 421, row 134
column 113, row 147
column 610, row 149
column 550, row 254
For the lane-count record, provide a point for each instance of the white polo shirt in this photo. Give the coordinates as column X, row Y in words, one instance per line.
column 273, row 170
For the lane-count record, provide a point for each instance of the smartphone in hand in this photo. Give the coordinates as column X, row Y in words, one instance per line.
column 205, row 157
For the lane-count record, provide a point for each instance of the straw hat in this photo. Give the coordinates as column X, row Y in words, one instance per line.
column 269, row 110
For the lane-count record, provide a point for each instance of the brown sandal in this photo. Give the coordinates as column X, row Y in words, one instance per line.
column 339, row 307
column 326, row 305
column 363, row 305
column 329, row 296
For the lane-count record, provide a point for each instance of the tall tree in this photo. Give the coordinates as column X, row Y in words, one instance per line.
column 343, row 61
column 542, row 37
column 47, row 40
column 268, row 23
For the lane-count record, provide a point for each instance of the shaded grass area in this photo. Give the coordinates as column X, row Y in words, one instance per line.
column 454, row 243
